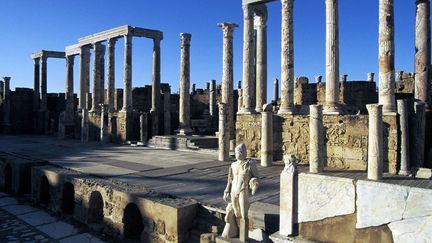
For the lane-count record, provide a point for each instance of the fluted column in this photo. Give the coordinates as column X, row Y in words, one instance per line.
column 184, row 104
column 375, row 142
column 332, row 57
column 111, row 74
column 70, row 97
column 127, row 90
column 287, row 58
column 84, row 77
column 36, row 83
column 386, row 56
column 248, row 60
column 261, row 56
column 156, row 76
column 422, row 55
column 43, row 84
column 228, row 75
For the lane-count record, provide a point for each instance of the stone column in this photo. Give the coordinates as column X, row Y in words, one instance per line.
column 261, row 56
column 84, row 77
column 127, row 90
column 386, row 56
column 402, row 108
column 248, row 60
column 43, row 84
column 344, row 78
column 143, row 128
column 193, row 88
column 275, row 90
column 332, row 57
column 184, row 104
column 36, row 71
column 228, row 75
column 97, row 79
column 104, row 133
column 267, row 136
column 316, row 139
column 84, row 126
column 370, row 77
column 6, row 105
column 167, row 113
column 212, row 99
column 156, row 76
column 419, row 133
column 375, row 142
column 111, row 74
column 287, row 58
column 223, row 151
column 70, row 97
column 423, row 52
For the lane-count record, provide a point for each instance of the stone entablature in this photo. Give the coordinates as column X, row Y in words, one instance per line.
column 346, row 140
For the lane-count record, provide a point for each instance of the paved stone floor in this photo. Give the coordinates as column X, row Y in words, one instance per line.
column 23, row 223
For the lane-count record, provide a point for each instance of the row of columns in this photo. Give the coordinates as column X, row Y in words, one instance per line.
column 40, row 83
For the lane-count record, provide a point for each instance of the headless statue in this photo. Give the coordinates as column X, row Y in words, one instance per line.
column 242, row 181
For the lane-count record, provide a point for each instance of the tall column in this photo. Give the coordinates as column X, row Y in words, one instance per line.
column 267, row 135
column 156, row 76
column 423, row 52
column 402, row 109
column 248, row 59
column 184, row 104
column 332, row 57
column 127, row 90
column 167, row 112
column 287, row 58
column 43, row 84
column 316, row 139
column 102, row 74
column 261, row 56
column 70, row 98
column 419, row 133
column 275, row 90
column 212, row 99
column 36, row 71
column 84, row 77
column 97, row 79
column 386, row 56
column 111, row 74
column 143, row 128
column 228, row 74
column 375, row 142
column 223, row 140
column 6, row 105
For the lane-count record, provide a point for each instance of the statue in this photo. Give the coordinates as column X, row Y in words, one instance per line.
column 242, row 181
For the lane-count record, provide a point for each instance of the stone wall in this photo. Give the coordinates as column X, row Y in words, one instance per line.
column 346, row 139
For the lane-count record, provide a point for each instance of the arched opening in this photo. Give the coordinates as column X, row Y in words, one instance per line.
column 68, row 198
column 44, row 190
column 132, row 222
column 95, row 210
column 7, row 178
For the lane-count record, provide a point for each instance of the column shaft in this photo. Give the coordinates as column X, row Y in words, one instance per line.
column 287, row 58
column 127, row 90
column 316, row 139
column 223, row 151
column 70, row 97
column 267, row 136
column 84, row 77
column 261, row 57
column 167, row 113
column 275, row 90
column 111, row 74
column 43, row 84
column 386, row 56
column 419, row 133
column 156, row 75
column 212, row 99
column 97, row 79
column 184, row 104
column 143, row 128
column 248, row 59
column 84, row 126
column 332, row 56
column 402, row 108
column 375, row 142
column 422, row 55
column 36, row 71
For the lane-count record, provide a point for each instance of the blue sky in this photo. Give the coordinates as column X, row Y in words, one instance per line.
column 27, row 26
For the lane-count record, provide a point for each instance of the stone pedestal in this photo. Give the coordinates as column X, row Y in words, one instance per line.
column 288, row 196
column 375, row 142
column 419, row 134
column 223, row 134
column 287, row 58
column 184, row 103
column 143, row 128
column 267, row 136
column 316, row 139
column 402, row 108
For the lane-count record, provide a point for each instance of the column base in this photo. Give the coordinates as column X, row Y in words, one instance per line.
column 286, row 111
column 245, row 111
column 332, row 110
column 404, row 173
column 184, row 131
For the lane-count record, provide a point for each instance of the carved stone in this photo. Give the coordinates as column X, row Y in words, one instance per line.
column 98, row 78
column 223, row 140
column 375, row 142
column 316, row 139
column 36, row 70
column 104, row 134
column 84, row 126
column 184, row 104
column 43, row 85
column 156, row 76
column 370, row 77
column 267, row 136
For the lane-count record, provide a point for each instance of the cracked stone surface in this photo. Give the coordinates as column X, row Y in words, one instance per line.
column 412, row 230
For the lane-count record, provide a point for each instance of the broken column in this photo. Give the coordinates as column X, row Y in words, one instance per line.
column 111, row 74
column 104, row 133
column 156, row 76
column 386, row 56
column 402, row 108
column 167, row 112
column 84, row 77
column 143, row 128
column 288, row 196
column 423, row 52
column 316, row 139
column 287, row 58
column 84, row 126
column 332, row 57
column 248, row 60
column 375, row 142
column 228, row 75
column 184, row 103
column 275, row 90
column 419, row 133
column 36, row 71
column 267, row 135
column 70, row 96
column 261, row 56
column 127, row 75
column 223, row 140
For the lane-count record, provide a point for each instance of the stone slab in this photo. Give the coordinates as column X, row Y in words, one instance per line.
column 81, row 238
column 424, row 173
column 58, row 230
column 19, row 209
column 324, row 197
column 5, row 201
column 418, row 203
column 412, row 230
column 37, row 218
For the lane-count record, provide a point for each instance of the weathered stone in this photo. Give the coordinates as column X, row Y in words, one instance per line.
column 423, row 173
column 316, row 139
column 98, row 78
column 70, row 97
column 275, row 90
column 184, row 103
column 127, row 74
column 84, row 126
column 267, row 135
column 167, row 113
column 261, row 56
column 412, row 230
column 156, row 76
column 375, row 142
column 287, row 72
column 104, row 134
column 36, row 83
column 288, row 196
column 84, row 82
column 402, row 108
column 143, row 128
column 111, row 74
column 223, row 134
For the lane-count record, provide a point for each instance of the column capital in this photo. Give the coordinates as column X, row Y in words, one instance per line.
column 7, row 79
column 228, row 29
column 70, row 59
column 185, row 39
column 37, row 60
column 261, row 12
